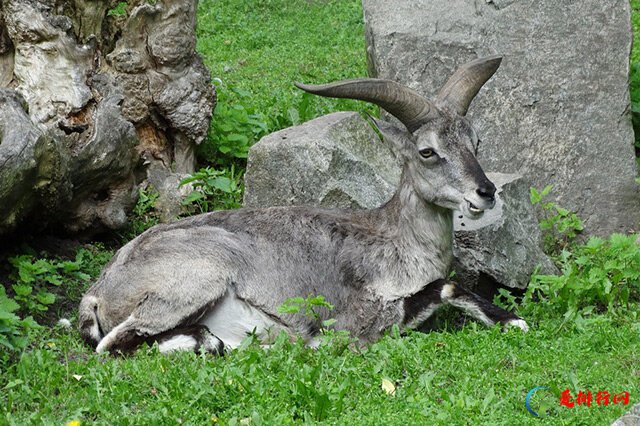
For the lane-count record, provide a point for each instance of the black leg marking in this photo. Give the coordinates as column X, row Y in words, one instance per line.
column 479, row 308
column 420, row 306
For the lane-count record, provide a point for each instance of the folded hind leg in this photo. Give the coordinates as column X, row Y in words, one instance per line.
column 162, row 311
column 126, row 337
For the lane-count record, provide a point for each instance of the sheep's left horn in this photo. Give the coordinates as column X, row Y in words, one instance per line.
column 466, row 82
column 406, row 105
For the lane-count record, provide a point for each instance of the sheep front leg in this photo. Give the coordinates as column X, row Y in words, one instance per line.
column 420, row 306
column 479, row 308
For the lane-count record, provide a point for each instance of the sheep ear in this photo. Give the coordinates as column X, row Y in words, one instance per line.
column 399, row 139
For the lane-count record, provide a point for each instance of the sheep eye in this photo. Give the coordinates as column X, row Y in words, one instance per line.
column 427, row 153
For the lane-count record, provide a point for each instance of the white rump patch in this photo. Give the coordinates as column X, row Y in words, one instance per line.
column 520, row 323
column 232, row 319
column 180, row 342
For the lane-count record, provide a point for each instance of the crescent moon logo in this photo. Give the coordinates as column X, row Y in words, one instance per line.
column 527, row 401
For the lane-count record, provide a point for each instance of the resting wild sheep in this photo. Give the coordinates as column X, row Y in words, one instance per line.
column 207, row 281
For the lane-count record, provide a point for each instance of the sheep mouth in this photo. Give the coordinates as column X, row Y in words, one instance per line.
column 471, row 210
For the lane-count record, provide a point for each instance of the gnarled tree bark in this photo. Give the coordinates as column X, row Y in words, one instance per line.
column 96, row 97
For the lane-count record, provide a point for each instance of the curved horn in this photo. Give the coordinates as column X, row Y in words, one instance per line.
column 464, row 84
column 403, row 103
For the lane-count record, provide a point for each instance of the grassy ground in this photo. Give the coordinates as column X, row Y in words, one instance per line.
column 256, row 59
column 278, row 42
column 473, row 375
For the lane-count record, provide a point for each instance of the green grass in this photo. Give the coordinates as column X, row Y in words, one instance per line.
column 635, row 24
column 263, row 46
column 471, row 376
column 256, row 50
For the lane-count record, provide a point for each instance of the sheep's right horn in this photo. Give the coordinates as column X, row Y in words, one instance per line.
column 458, row 92
column 406, row 105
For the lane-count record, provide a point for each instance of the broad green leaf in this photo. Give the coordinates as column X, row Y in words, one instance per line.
column 22, row 289
column 46, row 298
column 53, row 279
column 6, row 303
column 194, row 196
column 235, row 137
column 534, row 195
column 329, row 322
column 224, row 184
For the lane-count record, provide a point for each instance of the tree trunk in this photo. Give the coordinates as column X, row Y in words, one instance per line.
column 96, row 97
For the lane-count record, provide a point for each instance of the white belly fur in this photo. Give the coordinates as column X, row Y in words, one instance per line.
column 232, row 319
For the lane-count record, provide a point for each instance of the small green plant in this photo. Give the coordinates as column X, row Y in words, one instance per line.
column 235, row 127
column 13, row 329
column 36, row 282
column 213, row 190
column 144, row 213
column 34, row 277
column 309, row 307
column 303, row 110
column 559, row 226
column 506, row 300
column 599, row 277
column 120, row 9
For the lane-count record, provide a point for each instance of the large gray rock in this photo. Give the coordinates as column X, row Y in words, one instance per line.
column 338, row 161
column 631, row 418
column 504, row 245
column 557, row 111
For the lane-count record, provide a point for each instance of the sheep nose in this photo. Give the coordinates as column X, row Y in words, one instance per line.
column 487, row 191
